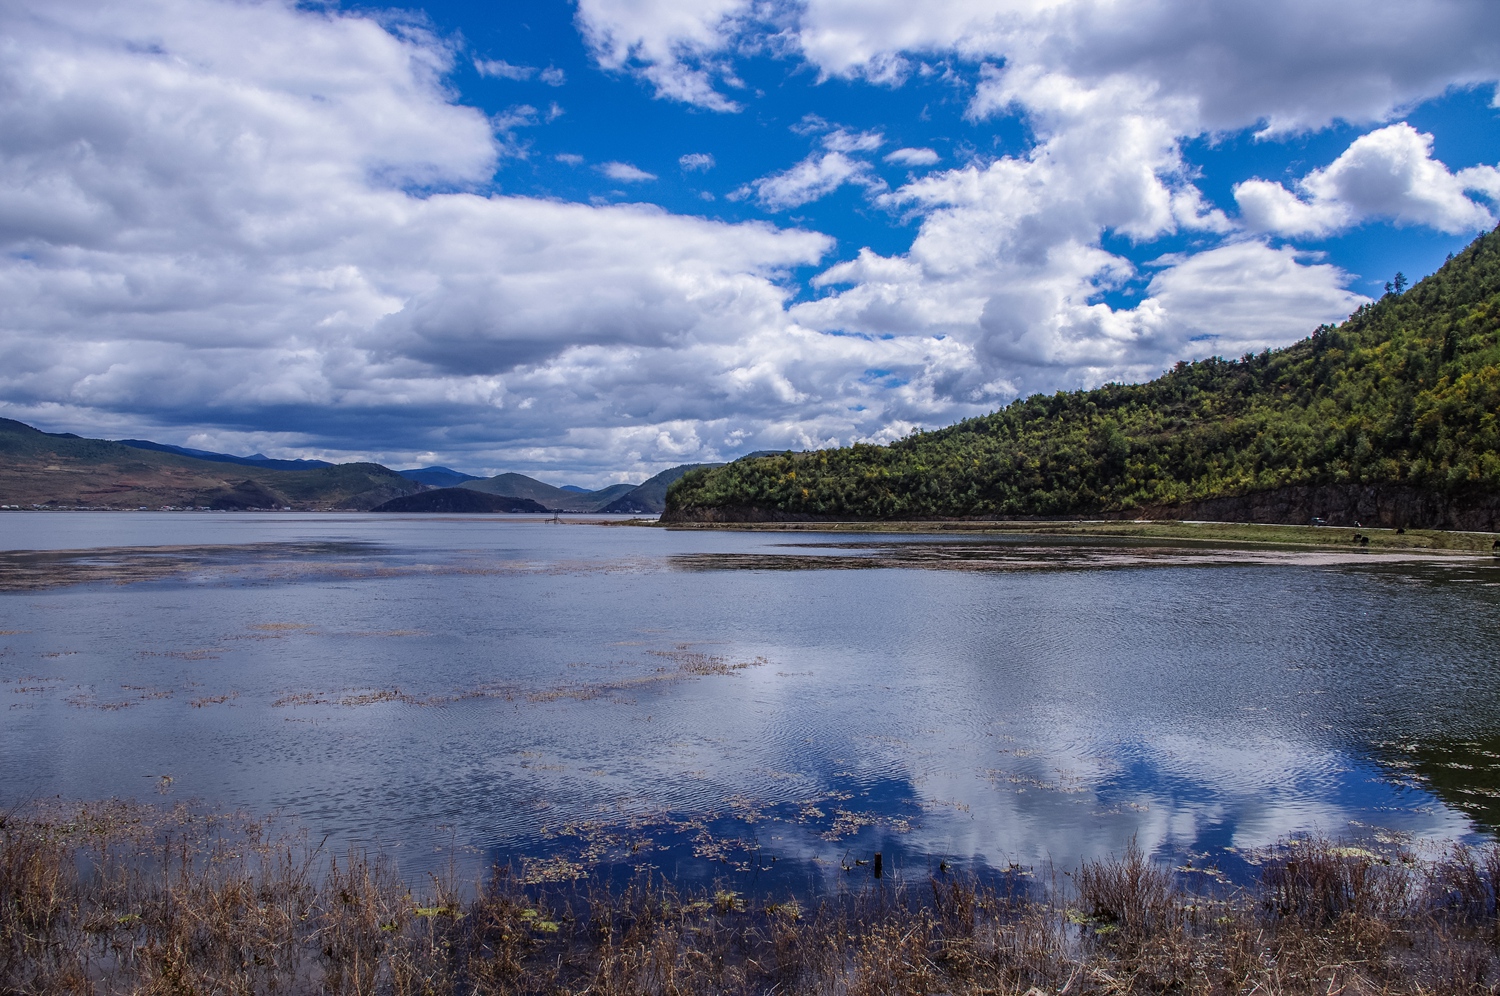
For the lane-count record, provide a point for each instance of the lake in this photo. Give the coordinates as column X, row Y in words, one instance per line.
column 767, row 708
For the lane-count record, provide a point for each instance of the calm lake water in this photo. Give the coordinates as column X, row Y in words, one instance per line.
column 768, row 708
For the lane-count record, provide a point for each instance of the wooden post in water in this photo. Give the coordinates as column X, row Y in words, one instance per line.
column 877, row 864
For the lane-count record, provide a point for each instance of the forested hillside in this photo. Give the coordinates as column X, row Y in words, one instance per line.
column 1390, row 415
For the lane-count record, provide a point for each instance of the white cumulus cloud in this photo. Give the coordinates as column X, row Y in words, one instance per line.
column 625, row 172
column 217, row 236
column 272, row 223
column 669, row 43
column 1389, row 173
column 1009, row 260
column 843, row 140
column 814, row 177
column 913, row 157
column 503, row 70
column 1281, row 64
column 1008, row 257
column 499, row 68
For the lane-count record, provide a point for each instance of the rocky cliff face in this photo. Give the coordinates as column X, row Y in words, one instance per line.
column 1388, row 506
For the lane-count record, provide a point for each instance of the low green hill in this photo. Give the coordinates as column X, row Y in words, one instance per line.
column 1389, row 418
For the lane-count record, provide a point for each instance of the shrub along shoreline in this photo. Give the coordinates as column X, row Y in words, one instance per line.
column 1416, row 541
column 122, row 897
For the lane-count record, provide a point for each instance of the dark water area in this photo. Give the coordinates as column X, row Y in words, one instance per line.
column 760, row 709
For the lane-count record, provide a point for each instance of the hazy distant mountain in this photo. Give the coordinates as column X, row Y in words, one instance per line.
column 461, row 500
column 254, row 460
column 555, row 499
column 62, row 470
column 648, row 498
column 604, row 496
column 651, row 497
column 65, row 470
column 520, row 486
column 437, row 477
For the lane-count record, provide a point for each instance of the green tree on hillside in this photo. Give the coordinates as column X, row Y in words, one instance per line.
column 1405, row 391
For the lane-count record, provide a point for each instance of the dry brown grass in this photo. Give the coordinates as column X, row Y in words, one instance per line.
column 126, row 898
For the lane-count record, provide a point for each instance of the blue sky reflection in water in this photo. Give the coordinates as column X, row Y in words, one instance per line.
column 707, row 702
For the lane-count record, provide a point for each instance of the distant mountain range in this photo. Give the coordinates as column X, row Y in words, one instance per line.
column 64, row 470
column 254, row 460
column 628, row 499
column 437, row 477
column 569, row 500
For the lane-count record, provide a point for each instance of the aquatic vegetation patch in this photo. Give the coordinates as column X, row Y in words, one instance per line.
column 353, row 698
column 121, row 897
column 31, row 683
column 1086, row 554
column 35, row 570
column 553, row 869
column 87, row 697
column 384, row 633
column 146, row 692
column 272, row 563
column 689, row 664
column 735, row 834
column 198, row 654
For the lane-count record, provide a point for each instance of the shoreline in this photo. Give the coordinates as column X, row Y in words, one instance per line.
column 1203, row 532
column 122, row 897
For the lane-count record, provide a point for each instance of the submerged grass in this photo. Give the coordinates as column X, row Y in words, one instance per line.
column 128, row 898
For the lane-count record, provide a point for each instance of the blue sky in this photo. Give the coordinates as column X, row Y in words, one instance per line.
column 589, row 240
column 613, row 116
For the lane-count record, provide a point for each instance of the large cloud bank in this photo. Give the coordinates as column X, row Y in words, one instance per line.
column 1009, row 260
column 276, row 225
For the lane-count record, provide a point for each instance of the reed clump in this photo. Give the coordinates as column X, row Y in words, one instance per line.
column 129, row 898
